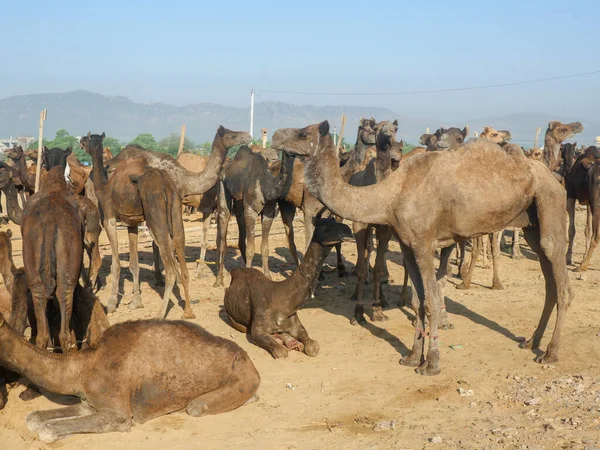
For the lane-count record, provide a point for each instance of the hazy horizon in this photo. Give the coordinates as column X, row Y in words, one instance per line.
column 185, row 53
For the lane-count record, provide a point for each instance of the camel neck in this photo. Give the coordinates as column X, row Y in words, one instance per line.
column 53, row 372
column 14, row 210
column 192, row 183
column 98, row 175
column 367, row 204
column 26, row 178
column 7, row 270
column 383, row 162
column 357, row 161
column 308, row 272
column 551, row 152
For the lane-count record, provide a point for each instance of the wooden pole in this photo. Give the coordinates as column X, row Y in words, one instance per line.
column 38, row 168
column 339, row 142
column 264, row 137
column 537, row 133
column 181, row 140
column 427, row 130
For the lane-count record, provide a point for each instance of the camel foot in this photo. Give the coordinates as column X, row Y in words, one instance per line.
column 445, row 324
column 29, row 394
column 546, row 358
column 47, row 434
column 378, row 315
column 111, row 306
column 405, row 298
column 528, row 345
column 218, row 283
column 580, row 268
column 268, row 274
column 342, row 273
column 428, row 369
column 279, row 352
column 311, row 347
column 463, row 286
column 188, row 315
column 136, row 303
column 517, row 256
column 410, row 361
column 569, row 260
column 497, row 286
column 252, row 399
column 358, row 320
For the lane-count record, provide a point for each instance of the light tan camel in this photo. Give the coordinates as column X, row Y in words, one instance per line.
column 136, row 193
column 556, row 134
column 437, row 200
column 216, row 376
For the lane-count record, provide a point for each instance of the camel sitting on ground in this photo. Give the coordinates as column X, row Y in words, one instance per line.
column 583, row 186
column 52, row 233
column 429, row 206
column 217, row 376
column 268, row 310
column 249, row 189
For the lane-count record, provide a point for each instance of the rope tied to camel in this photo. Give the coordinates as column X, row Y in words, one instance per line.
column 424, row 334
column 2, row 321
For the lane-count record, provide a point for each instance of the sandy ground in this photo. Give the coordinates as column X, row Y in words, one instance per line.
column 336, row 399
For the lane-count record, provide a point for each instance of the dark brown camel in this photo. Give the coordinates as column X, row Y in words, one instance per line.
column 52, row 234
column 388, row 156
column 7, row 185
column 267, row 310
column 249, row 189
column 25, row 181
column 581, row 184
column 136, row 193
column 218, row 376
column 437, row 200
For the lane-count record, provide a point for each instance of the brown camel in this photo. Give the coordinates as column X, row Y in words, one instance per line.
column 249, row 189
column 364, row 149
column 388, row 155
column 52, row 238
column 218, row 376
column 556, row 134
column 7, row 185
column 267, row 310
column 583, row 186
column 25, row 181
column 136, row 193
column 444, row 139
column 429, row 206
column 207, row 203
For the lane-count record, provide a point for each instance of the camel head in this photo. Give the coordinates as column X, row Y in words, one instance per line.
column 55, row 157
column 366, row 131
column 386, row 140
column 535, row 153
column 562, row 131
column 429, row 141
column 15, row 153
column 106, row 155
column 270, row 154
column 32, row 154
column 233, row 138
column 301, row 141
column 6, row 175
column 451, row 138
column 329, row 232
column 92, row 143
column 497, row 137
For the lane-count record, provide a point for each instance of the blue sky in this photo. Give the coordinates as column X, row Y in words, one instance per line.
column 184, row 52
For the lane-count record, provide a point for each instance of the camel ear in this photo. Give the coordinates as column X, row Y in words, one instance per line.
column 401, row 143
column 395, row 122
column 103, row 135
column 45, row 148
column 465, row 131
column 90, row 135
column 552, row 125
column 486, row 130
column 324, row 128
column 9, row 233
column 68, row 150
column 221, row 131
column 575, row 144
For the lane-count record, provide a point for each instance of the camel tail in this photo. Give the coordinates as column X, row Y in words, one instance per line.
column 47, row 268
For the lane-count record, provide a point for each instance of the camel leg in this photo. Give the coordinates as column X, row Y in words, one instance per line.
column 595, row 232
column 405, row 295
column 495, row 244
column 288, row 211
column 167, row 255
column 383, row 237
column 445, row 254
column 179, row 244
column 204, row 242
column 588, row 225
column 134, row 268
column 361, row 232
column 571, row 212
column 95, row 263
column 484, row 249
column 466, row 283
column 238, row 389
column 103, row 421
column 64, row 295
column 416, row 356
column 295, row 329
column 250, row 217
column 36, row 420
column 516, row 248
column 266, row 341
column 558, row 291
column 38, row 293
column 267, row 217
column 238, row 209
column 223, row 216
column 463, row 268
column 158, row 278
column 110, row 226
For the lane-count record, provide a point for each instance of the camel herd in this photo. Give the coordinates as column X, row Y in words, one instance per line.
column 449, row 191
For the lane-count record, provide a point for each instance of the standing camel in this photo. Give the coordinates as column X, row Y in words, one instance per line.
column 52, row 234
column 438, row 199
column 249, row 189
column 556, row 134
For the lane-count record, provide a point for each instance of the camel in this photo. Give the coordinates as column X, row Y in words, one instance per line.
column 444, row 139
column 25, row 181
column 428, row 206
column 583, row 187
column 136, row 193
column 268, row 310
column 218, row 376
column 52, row 234
column 364, row 149
column 389, row 154
column 556, row 134
column 207, row 203
column 249, row 189
column 7, row 185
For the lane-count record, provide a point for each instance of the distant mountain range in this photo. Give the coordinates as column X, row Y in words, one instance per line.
column 81, row 111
